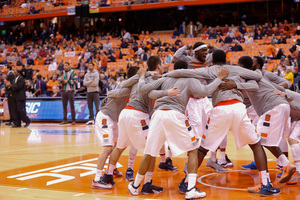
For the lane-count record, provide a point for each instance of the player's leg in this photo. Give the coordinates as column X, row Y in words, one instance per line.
column 131, row 158
column 271, row 126
column 166, row 163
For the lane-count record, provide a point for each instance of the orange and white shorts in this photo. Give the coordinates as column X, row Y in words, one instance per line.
column 106, row 129
column 133, row 129
column 252, row 115
column 173, row 127
column 232, row 115
column 197, row 111
column 295, row 131
column 272, row 125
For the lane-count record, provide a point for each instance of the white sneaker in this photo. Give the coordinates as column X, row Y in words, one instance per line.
column 194, row 194
column 133, row 190
column 91, row 122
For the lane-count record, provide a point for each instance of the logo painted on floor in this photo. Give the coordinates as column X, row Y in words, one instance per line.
column 52, row 175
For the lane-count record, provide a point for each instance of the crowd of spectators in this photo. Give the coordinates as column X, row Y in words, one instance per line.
column 51, row 49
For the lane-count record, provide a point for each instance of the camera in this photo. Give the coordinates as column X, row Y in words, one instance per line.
column 293, row 48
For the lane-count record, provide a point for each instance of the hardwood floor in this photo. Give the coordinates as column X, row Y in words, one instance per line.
column 48, row 161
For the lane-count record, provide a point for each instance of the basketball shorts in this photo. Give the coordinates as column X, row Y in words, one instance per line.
column 252, row 115
column 295, row 131
column 197, row 111
column 272, row 125
column 173, row 127
column 133, row 129
column 106, row 129
column 229, row 117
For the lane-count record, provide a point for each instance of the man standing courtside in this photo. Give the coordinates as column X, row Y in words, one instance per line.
column 10, row 77
column 68, row 81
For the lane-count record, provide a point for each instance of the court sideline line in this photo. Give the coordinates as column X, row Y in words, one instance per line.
column 46, row 147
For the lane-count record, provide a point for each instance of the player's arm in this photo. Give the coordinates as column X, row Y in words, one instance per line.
column 204, row 90
column 249, row 85
column 200, row 73
column 145, row 88
column 155, row 94
column 179, row 54
column 249, row 74
column 131, row 81
column 119, row 92
column 277, row 80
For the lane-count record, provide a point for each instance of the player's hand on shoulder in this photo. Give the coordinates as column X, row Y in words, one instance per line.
column 142, row 71
column 173, row 92
column 156, row 76
column 227, row 85
column 223, row 74
column 189, row 46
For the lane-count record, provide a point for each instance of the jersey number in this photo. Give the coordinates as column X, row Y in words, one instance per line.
column 143, row 123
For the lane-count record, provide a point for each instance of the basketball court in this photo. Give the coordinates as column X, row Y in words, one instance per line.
column 48, row 161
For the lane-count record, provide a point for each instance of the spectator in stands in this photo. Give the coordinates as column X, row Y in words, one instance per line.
column 113, row 83
column 91, row 82
column 261, row 54
column 219, row 39
column 199, row 28
column 56, row 92
column 47, row 60
column 107, row 46
column 176, row 33
column 52, row 66
column 40, row 87
column 280, row 54
column 29, row 72
column 124, row 43
column 282, row 39
column 30, row 61
column 289, row 74
column 182, row 29
column 191, row 30
column 103, row 61
column 276, row 70
column 237, row 46
column 270, row 50
column 125, row 35
column 228, row 39
column 80, row 87
column 297, row 30
column 223, row 46
column 258, row 36
column 51, row 83
column 68, row 81
column 168, row 57
column 103, row 85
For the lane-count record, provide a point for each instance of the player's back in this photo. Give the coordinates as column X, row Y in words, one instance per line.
column 264, row 99
column 187, row 86
column 294, row 104
column 141, row 101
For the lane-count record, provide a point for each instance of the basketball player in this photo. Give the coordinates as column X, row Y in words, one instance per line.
column 294, row 134
column 134, row 125
column 229, row 113
column 198, row 109
column 274, row 112
column 169, row 124
column 106, row 127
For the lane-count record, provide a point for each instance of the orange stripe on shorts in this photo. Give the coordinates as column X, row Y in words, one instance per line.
column 193, row 139
column 203, row 136
column 264, row 135
column 105, row 135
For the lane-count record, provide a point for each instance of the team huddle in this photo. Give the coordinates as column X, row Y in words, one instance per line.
column 254, row 104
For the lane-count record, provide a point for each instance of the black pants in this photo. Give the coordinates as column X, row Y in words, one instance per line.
column 11, row 107
column 20, row 113
column 65, row 97
column 93, row 97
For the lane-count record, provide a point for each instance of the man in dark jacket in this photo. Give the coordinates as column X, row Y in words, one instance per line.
column 18, row 86
column 10, row 77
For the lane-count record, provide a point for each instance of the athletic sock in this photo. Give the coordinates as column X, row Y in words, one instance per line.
column 148, row 177
column 213, row 156
column 283, row 159
column 138, row 179
column 192, row 180
column 98, row 175
column 264, row 176
column 110, row 169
